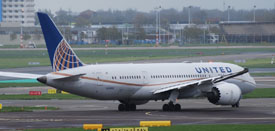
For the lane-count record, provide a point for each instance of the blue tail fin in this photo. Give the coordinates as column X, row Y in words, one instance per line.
column 61, row 54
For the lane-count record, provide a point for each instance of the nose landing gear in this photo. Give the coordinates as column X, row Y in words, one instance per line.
column 237, row 105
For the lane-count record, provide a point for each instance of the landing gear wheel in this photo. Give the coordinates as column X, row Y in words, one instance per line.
column 127, row 107
column 177, row 107
column 171, row 107
column 165, row 107
column 133, row 107
column 121, row 107
column 237, row 105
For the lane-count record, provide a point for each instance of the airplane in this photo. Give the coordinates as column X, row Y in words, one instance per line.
column 137, row 84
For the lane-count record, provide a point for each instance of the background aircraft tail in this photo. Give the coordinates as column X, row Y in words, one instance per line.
column 61, row 54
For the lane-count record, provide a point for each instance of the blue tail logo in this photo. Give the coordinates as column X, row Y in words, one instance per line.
column 65, row 58
column 61, row 54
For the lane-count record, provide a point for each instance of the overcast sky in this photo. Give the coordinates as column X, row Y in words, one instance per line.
column 148, row 5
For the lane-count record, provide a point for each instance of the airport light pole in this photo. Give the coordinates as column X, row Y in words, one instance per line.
column 254, row 13
column 122, row 36
column 157, row 39
column 157, row 25
column 189, row 15
column 21, row 29
column 228, row 14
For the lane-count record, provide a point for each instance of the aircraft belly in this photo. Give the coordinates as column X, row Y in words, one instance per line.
column 79, row 88
column 144, row 93
column 94, row 90
column 189, row 93
column 112, row 92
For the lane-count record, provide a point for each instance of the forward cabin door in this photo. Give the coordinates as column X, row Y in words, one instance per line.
column 99, row 77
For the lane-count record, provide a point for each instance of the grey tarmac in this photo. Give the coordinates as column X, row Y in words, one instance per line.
column 74, row 113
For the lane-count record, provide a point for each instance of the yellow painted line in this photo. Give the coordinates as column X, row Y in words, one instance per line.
column 128, row 129
column 141, row 129
column 64, row 92
column 154, row 123
column 148, row 113
column 52, row 91
column 92, row 126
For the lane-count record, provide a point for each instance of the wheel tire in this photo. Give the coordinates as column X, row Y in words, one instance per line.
column 121, row 107
column 133, row 107
column 165, row 107
column 237, row 105
column 127, row 107
column 177, row 107
column 171, row 107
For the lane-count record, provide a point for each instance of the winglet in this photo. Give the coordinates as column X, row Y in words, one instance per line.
column 226, row 77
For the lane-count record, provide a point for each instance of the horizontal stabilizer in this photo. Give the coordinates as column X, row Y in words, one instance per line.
column 19, row 75
column 70, row 78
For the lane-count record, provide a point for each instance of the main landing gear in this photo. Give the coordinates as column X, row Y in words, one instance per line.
column 171, row 107
column 127, row 107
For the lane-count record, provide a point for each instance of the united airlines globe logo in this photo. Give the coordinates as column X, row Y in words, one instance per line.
column 65, row 58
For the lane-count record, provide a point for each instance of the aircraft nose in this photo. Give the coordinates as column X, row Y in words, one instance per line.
column 42, row 79
column 252, row 80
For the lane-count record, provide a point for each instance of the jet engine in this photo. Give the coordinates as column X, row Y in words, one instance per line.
column 224, row 94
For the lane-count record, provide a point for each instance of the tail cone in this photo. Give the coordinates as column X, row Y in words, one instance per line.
column 42, row 79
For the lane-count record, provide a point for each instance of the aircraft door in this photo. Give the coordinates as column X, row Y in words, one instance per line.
column 99, row 77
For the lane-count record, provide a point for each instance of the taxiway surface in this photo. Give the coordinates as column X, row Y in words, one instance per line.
column 74, row 113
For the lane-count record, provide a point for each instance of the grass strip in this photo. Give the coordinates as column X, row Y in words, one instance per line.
column 263, row 74
column 256, row 63
column 5, row 85
column 42, row 97
column 25, row 109
column 23, row 58
column 261, row 93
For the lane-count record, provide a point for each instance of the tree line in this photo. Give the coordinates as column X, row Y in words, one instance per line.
column 168, row 16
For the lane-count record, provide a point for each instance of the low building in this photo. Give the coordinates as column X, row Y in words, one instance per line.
column 16, row 13
column 248, row 32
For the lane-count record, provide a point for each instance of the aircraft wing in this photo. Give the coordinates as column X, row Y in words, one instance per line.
column 211, row 80
column 19, row 75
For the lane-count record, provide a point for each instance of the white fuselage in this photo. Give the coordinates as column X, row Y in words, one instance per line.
column 138, row 81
